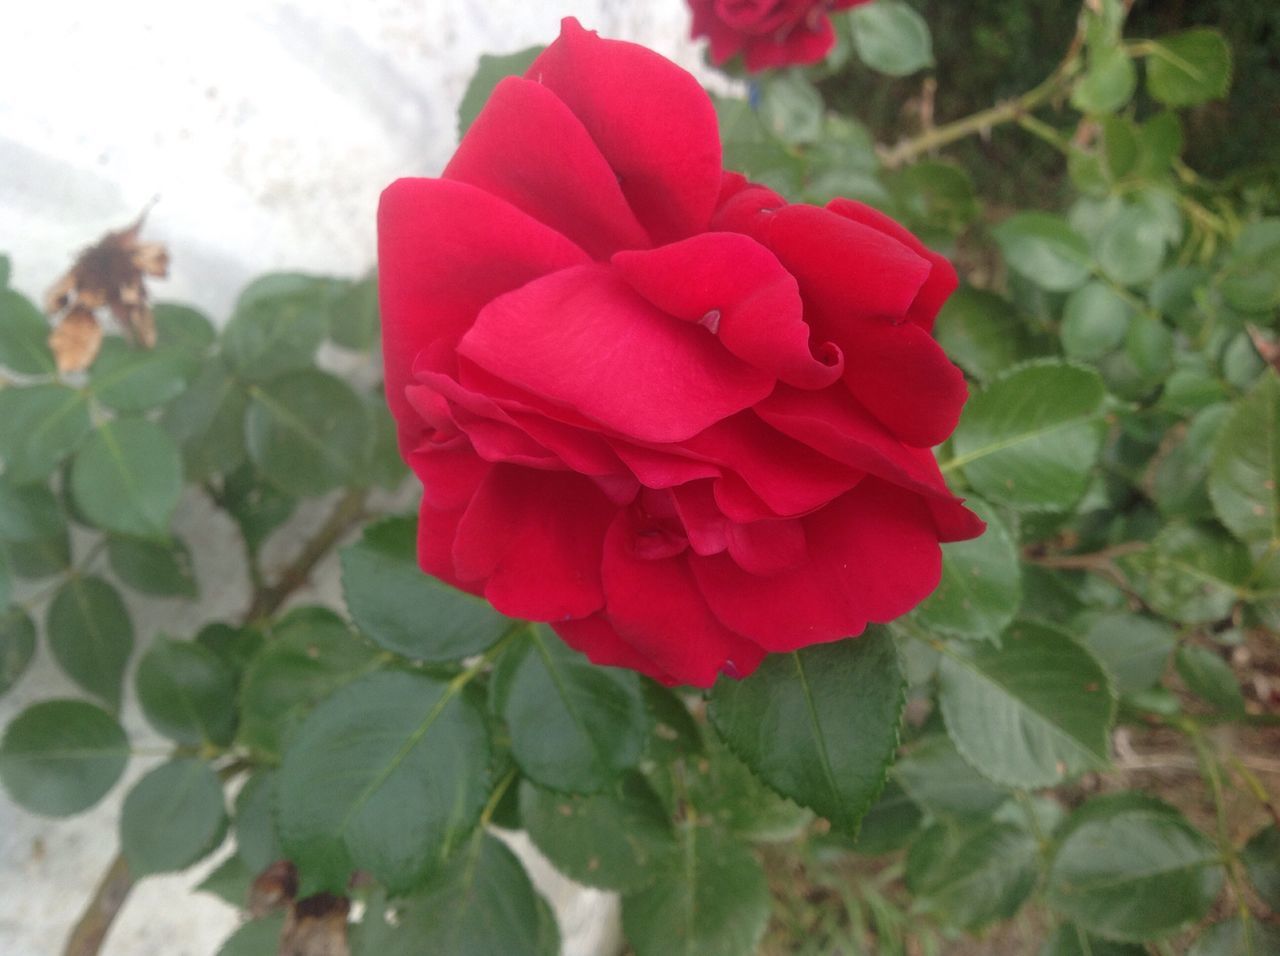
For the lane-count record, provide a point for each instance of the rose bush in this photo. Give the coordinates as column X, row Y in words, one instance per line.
column 768, row 33
column 650, row 402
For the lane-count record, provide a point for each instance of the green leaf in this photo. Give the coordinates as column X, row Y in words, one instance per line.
column 1133, row 648
column 153, row 567
column 1251, row 279
column 1031, row 712
column 6, row 270
column 1042, row 247
column 230, row 882
column 891, row 38
column 183, row 329
column 1131, row 247
column 482, row 905
column 1179, row 481
column 936, row 196
column 1131, row 868
column 406, row 611
column 234, row 645
column 574, row 726
column 187, row 692
column 1261, row 859
column 207, row 421
column 890, row 823
column 255, row 938
column 1071, row 940
column 39, row 426
column 618, row 839
column 1094, row 321
column 1108, row 84
column 311, row 653
column 980, row 588
column 91, row 636
column 257, row 507
column 1189, row 68
column 128, row 477
column 1031, row 438
column 129, row 379
column 172, row 817
column 353, row 316
column 981, row 332
column 712, row 901
column 29, row 512
column 1244, row 476
column 17, row 646
column 1238, row 938
column 970, row 878
column 725, row 792
column 1191, row 573
column 60, row 757
column 387, row 775
column 278, row 323
column 940, row 782
column 750, row 146
column 256, row 841
column 24, row 336
column 42, row 557
column 796, row 725
column 791, row 107
column 306, row 432
column 1210, row 678
column 490, row 70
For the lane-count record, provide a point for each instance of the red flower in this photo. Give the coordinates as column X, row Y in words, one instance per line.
column 650, row 402
column 768, row 33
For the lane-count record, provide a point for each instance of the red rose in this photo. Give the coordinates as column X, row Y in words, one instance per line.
column 768, row 33
column 649, row 402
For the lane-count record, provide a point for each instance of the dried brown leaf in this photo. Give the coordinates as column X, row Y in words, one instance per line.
column 273, row 888
column 316, row 926
column 76, row 340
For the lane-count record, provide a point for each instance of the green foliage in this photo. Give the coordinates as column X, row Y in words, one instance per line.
column 172, row 817
column 60, row 757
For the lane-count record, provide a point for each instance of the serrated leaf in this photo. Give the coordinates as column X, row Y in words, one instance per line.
column 712, row 901
column 91, row 636
column 409, row 612
column 39, row 426
column 1031, row 438
column 129, row 379
column 127, row 478
column 970, row 878
column 981, row 332
column 890, row 823
column 1190, row 573
column 207, row 421
column 172, row 817
column 306, row 431
column 939, row 781
column 1042, row 247
column 1132, row 647
column 491, row 69
column 256, row 842
column 24, row 336
column 1094, row 321
column 724, row 792
column 1244, row 475
column 1189, row 68
column 187, row 692
column 1210, row 678
column 1031, row 712
column 1261, row 859
column 981, row 585
column 795, row 724
column 891, row 38
column 60, row 757
column 1132, row 869
column 618, row 839
column 162, row 568
column 387, row 775
column 574, row 726
column 278, row 323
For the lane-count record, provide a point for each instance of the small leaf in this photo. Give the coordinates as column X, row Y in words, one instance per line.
column 1031, row 438
column 1108, row 84
column 791, row 107
column 17, row 646
column 796, row 725
column 491, row 69
column 187, row 692
column 891, row 38
column 24, row 336
column 574, row 726
column 981, row 332
column 153, row 567
column 386, row 775
column 42, row 557
column 91, row 636
column 256, row 841
column 1131, row 247
column 183, row 329
column 724, row 791
column 712, row 901
column 890, row 823
column 1129, row 867
column 1031, row 712
column 172, row 817
column 1132, row 647
column 1238, row 938
column 1210, row 678
column 1042, row 247
column 127, row 379
column 1191, row 573
column 971, row 878
column 128, row 477
column 207, row 421
column 29, row 512
column 1261, row 858
column 229, row 882
column 278, row 323
column 60, row 757
column 353, row 316
column 1244, row 476
column 618, row 839
column 306, row 431
column 940, row 782
column 409, row 612
column 1094, row 321
column 39, row 426
column 1189, row 68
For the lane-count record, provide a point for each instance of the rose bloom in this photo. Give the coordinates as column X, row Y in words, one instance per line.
column 768, row 33
column 651, row 403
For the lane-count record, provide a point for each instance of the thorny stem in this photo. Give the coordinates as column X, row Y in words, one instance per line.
column 117, row 882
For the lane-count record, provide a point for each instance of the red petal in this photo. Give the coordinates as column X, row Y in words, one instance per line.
column 654, row 125
column 444, row 250
column 873, row 556
column 767, row 547
column 529, row 149
column 535, row 537
column 802, row 45
column 437, row 529
column 595, row 637
column 741, row 293
column 582, row 338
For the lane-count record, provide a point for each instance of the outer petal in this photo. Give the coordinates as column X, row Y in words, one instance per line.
column 534, row 537
column 739, row 291
column 582, row 338
column 595, row 637
column 528, row 148
column 444, row 250
column 803, row 44
column 873, row 556
column 654, row 125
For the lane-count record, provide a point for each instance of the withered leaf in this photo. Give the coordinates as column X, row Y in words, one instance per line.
column 316, row 926
column 273, row 888
column 76, row 340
